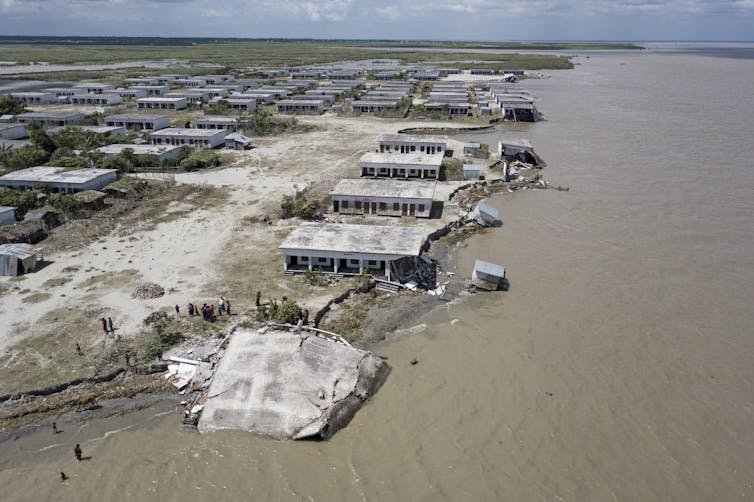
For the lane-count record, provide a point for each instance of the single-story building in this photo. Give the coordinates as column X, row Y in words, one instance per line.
column 47, row 218
column 152, row 90
column 453, row 109
column 65, row 92
column 216, row 92
column 100, row 130
column 481, row 71
column 58, row 179
column 195, row 138
column 242, row 104
column 390, row 197
column 141, row 81
column 397, row 165
column 130, row 93
column 261, row 97
column 237, row 141
column 472, row 171
column 50, row 119
column 488, row 276
column 7, row 215
column 518, row 149
column 162, row 152
column 94, row 88
column 17, row 259
column 34, row 97
column 192, row 96
column 344, row 75
column 221, row 123
column 304, row 106
column 161, row 103
column 138, row 121
column 426, row 75
column 218, row 79
column 194, row 82
column 411, row 143
column 374, row 106
column 349, row 249
column 520, row 112
column 96, row 99
column 13, row 131
column 329, row 99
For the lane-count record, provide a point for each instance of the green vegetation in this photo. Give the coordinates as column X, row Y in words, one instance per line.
column 238, row 53
column 315, row 277
column 451, row 169
column 22, row 201
column 298, row 206
column 261, row 122
column 10, row 106
column 287, row 311
column 162, row 338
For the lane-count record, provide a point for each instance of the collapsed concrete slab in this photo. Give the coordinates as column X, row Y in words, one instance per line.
column 486, row 215
column 287, row 386
column 488, row 276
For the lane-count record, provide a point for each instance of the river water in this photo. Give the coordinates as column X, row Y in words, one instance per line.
column 619, row 365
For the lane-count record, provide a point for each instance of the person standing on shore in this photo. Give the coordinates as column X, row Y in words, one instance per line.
column 77, row 452
column 177, row 311
column 221, row 306
column 110, row 325
column 227, row 307
column 104, row 325
column 259, row 298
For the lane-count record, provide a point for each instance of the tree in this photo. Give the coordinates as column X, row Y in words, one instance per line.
column 21, row 158
column 10, row 106
column 40, row 138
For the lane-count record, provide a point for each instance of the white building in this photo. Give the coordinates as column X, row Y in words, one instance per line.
column 396, row 165
column 390, row 197
column 96, row 99
column 50, row 119
column 410, row 143
column 34, row 97
column 472, row 171
column 141, row 81
column 302, row 106
column 192, row 96
column 162, row 152
column 240, row 104
column 13, row 131
column 349, row 249
column 130, row 93
column 59, row 179
column 101, row 130
column 217, row 123
column 161, row 103
column 374, row 106
column 152, row 90
column 194, row 82
column 138, row 122
column 195, row 138
column 94, row 88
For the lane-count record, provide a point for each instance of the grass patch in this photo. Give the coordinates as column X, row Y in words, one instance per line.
column 350, row 318
column 111, row 279
column 56, row 282
column 36, row 297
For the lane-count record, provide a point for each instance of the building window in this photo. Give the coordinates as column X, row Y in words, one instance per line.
column 372, row 263
column 353, row 263
column 383, row 206
column 357, row 204
column 304, row 259
column 396, row 206
column 421, row 208
column 345, row 204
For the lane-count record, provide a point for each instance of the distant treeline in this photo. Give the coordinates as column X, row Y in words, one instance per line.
column 180, row 41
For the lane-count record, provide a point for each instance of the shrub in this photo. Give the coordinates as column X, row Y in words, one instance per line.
column 287, row 311
column 163, row 340
column 315, row 277
column 298, row 206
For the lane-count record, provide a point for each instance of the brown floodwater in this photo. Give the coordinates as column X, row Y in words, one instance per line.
column 619, row 365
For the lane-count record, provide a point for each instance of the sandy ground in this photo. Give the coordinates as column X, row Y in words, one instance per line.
column 202, row 254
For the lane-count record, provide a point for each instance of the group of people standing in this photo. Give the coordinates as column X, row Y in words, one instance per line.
column 207, row 311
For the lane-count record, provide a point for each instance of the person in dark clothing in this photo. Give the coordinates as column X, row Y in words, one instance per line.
column 63, row 477
column 104, row 325
column 177, row 310
column 110, row 325
column 77, row 452
column 227, row 307
column 259, row 298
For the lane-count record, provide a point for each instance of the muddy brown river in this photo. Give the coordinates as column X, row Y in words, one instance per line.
column 619, row 365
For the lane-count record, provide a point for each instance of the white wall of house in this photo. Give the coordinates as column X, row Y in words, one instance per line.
column 381, row 206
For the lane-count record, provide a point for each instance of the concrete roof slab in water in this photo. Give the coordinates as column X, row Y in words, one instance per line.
column 287, row 386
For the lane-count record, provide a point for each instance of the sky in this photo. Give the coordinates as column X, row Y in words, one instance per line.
column 488, row 20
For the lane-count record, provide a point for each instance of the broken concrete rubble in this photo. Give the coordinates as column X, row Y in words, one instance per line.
column 285, row 386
